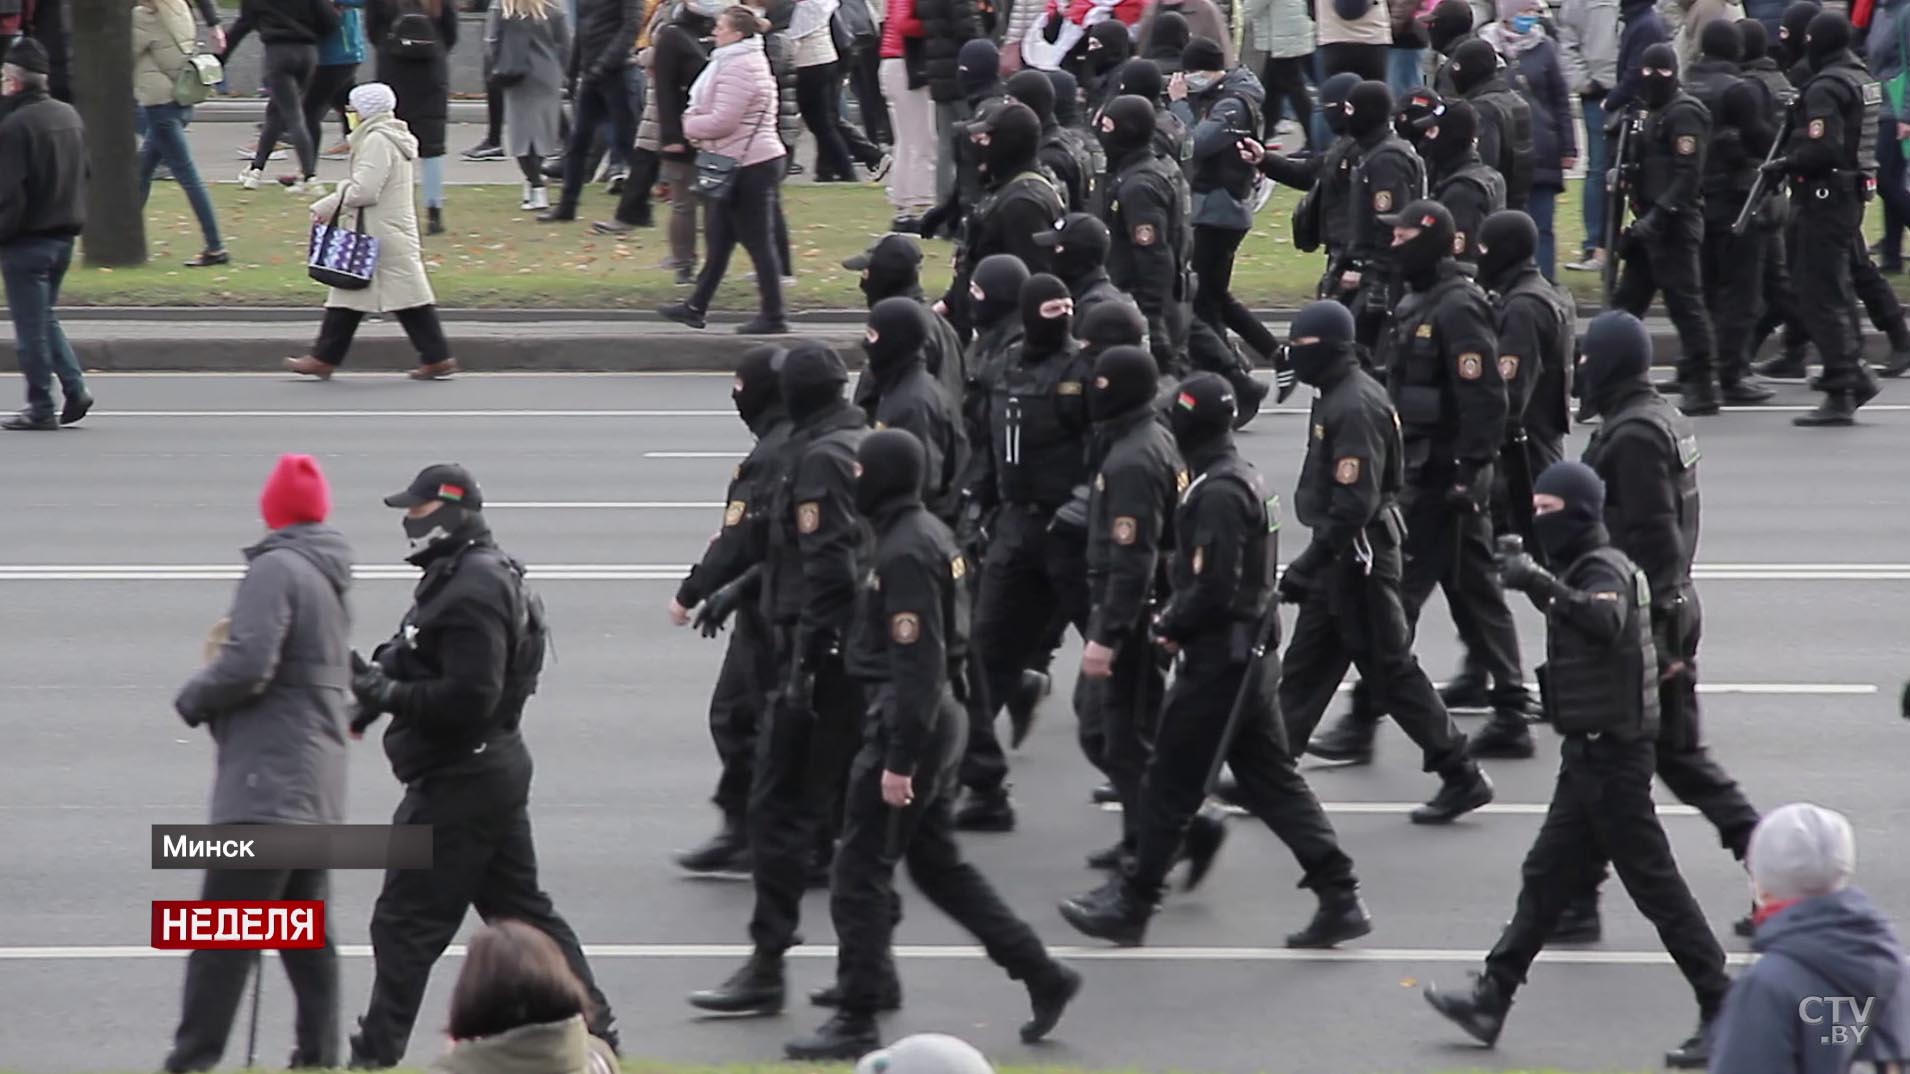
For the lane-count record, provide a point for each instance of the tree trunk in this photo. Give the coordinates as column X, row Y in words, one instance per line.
column 102, row 32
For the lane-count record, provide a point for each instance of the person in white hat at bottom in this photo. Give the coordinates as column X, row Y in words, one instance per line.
column 926, row 1053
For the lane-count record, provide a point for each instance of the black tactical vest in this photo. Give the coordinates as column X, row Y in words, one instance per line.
column 1863, row 101
column 1333, row 190
column 1680, row 443
column 1363, row 229
column 1779, row 95
column 1728, row 169
column 1516, row 152
column 1257, row 559
column 1592, row 688
column 1657, row 149
column 1417, row 373
column 784, row 591
column 1550, row 409
column 1037, row 428
column 1482, row 177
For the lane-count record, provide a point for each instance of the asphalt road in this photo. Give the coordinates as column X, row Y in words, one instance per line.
column 121, row 537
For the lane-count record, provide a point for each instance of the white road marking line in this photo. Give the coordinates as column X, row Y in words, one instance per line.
column 946, row 952
column 696, row 454
column 727, row 413
column 500, row 374
column 604, row 505
column 1389, row 809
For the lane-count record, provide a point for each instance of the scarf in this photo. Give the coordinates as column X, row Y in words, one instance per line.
column 1509, row 42
column 704, row 88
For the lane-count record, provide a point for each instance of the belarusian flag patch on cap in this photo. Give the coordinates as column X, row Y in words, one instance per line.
column 1187, row 400
column 450, row 492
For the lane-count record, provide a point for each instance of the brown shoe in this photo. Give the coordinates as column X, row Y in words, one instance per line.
column 436, row 370
column 310, row 366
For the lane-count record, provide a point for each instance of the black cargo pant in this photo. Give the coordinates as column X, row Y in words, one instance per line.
column 1214, row 301
column 1193, row 724
column 482, row 857
column 1354, row 618
column 877, row 837
column 1117, row 720
column 1823, row 230
column 736, row 711
column 1451, row 549
column 1030, row 579
column 215, row 980
column 1879, row 298
column 1733, row 271
column 1602, row 809
column 795, row 800
column 1670, row 267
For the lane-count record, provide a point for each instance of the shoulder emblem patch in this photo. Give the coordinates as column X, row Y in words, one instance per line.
column 734, row 513
column 958, row 566
column 1471, row 366
column 1068, row 387
column 808, row 517
column 1383, row 201
column 1144, row 234
column 1687, row 145
column 1816, row 128
column 1124, row 530
column 905, row 628
column 1508, row 366
column 1347, row 470
column 1424, row 331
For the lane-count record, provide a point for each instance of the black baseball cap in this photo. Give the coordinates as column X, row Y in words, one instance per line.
column 445, row 481
column 897, row 248
column 1073, row 228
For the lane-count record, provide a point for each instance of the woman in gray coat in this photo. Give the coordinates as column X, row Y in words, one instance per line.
column 526, row 43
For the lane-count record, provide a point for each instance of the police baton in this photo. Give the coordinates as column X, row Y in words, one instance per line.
column 1761, row 186
column 1263, row 632
column 258, row 986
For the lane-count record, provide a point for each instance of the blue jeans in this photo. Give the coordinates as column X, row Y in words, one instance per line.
column 34, row 268
column 1539, row 205
column 166, row 141
column 1597, row 163
column 1405, row 71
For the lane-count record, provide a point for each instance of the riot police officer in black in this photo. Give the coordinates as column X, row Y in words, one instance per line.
column 1466, row 185
column 908, row 642
column 1388, row 176
column 1222, row 627
column 1081, row 243
column 906, row 397
column 1443, row 374
column 1321, row 219
column 1059, row 154
column 994, row 295
column 1600, row 693
column 1347, row 581
column 726, row 586
column 818, row 551
column 893, row 267
column 454, row 679
column 1448, row 26
column 1018, row 200
column 1147, row 225
column 1505, row 119
column 1661, row 248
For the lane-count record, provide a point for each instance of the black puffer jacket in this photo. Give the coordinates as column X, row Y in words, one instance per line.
column 947, row 25
column 781, row 49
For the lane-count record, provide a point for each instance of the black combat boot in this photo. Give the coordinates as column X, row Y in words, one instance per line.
column 1104, row 794
column 831, row 996
column 1580, row 923
column 757, row 988
column 1115, row 857
column 366, row 1054
column 845, row 1037
column 726, row 852
column 1698, row 398
column 986, row 811
column 1837, row 409
column 1505, row 735
column 1227, row 788
column 1022, row 703
column 1461, row 793
column 1048, row 998
column 1111, row 912
column 1695, row 1052
column 1349, row 740
column 1201, row 846
column 1340, row 917
column 1466, row 691
column 1899, row 362
column 1481, row 1013
column 1741, row 392
column 1793, row 364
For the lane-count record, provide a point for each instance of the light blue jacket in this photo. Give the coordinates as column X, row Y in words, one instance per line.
column 347, row 44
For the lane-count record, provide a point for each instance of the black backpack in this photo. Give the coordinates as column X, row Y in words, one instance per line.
column 530, row 640
column 413, row 34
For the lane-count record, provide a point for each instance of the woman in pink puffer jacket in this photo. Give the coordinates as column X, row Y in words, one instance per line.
column 732, row 113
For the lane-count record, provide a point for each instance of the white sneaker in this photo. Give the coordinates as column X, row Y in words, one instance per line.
column 540, row 198
column 525, row 201
column 309, row 186
column 250, row 178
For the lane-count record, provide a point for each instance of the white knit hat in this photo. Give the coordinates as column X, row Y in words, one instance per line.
column 373, row 98
column 926, row 1053
column 1800, row 851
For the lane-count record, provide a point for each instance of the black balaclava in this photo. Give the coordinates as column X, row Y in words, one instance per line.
column 756, row 388
column 1108, row 46
column 1142, row 79
column 1579, row 526
column 1109, row 325
column 1171, row 34
column 1721, row 40
column 1125, row 380
column 812, row 378
column 1658, row 90
column 1369, row 110
column 1757, row 42
column 1202, row 54
column 1419, row 257
column 978, row 68
column 1081, row 246
column 1449, row 21
column 1827, row 38
column 994, row 291
column 1617, row 356
column 1032, row 88
column 1415, row 114
column 1508, row 242
column 1473, row 62
column 1450, row 138
column 1127, row 127
column 893, row 266
column 1791, row 30
column 1067, row 97
column 1014, row 138
column 457, row 522
column 1202, row 416
column 1047, row 313
column 1333, row 94
column 891, row 469
column 896, row 331
column 1331, row 323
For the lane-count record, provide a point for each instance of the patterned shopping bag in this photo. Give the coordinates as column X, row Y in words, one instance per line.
column 342, row 257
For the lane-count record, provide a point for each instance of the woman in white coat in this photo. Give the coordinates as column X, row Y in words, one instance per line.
column 383, row 155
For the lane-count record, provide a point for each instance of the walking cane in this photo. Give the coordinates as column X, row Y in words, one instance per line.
column 258, row 986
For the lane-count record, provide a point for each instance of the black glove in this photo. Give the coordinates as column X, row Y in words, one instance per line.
column 1649, row 228
column 1615, row 120
column 717, row 609
column 1523, row 573
column 932, row 222
column 1467, row 493
column 1295, row 586
column 1051, row 33
column 374, row 689
column 1906, row 700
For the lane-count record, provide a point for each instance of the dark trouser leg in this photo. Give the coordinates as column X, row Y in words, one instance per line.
column 532, row 166
column 1821, row 274
column 1879, row 298
column 166, row 140
column 816, row 90
column 865, row 80
column 1563, row 861
column 1285, row 82
column 592, row 105
column 289, row 70
column 1779, row 310
column 34, row 270
column 681, row 175
column 862, row 896
column 1376, row 614
column 1214, row 302
column 335, row 334
column 1314, row 663
column 1486, row 624
column 494, row 115
column 633, row 207
column 1735, row 318
column 1129, row 706
column 1009, row 621
column 314, row 978
column 757, row 207
column 736, row 711
column 1675, row 269
column 1684, row 763
column 329, row 81
column 426, row 333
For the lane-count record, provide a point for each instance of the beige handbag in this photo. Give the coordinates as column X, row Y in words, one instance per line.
column 216, row 637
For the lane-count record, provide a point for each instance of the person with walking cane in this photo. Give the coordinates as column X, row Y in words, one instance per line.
column 1220, row 624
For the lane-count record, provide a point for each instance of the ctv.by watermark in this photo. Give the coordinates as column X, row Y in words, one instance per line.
column 1843, row 1019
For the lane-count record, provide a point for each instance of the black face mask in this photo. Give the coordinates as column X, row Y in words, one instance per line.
column 1657, row 91
column 1125, row 379
column 891, row 465
column 994, row 292
column 1419, row 257
column 1042, row 334
column 897, row 325
column 1077, row 261
column 434, row 531
column 1561, row 534
column 1132, row 120
column 812, row 380
column 1311, row 362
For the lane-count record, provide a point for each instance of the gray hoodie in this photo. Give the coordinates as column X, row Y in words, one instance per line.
column 275, row 694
